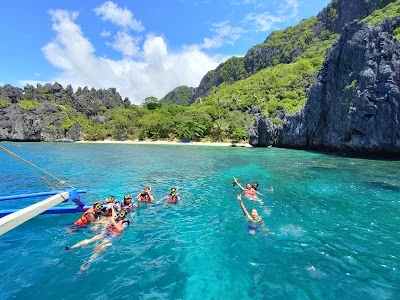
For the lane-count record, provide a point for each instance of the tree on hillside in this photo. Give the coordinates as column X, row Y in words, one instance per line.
column 151, row 103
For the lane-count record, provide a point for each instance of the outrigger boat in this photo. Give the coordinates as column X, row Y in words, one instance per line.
column 11, row 218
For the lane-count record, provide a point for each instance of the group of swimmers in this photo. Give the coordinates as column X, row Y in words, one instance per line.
column 112, row 216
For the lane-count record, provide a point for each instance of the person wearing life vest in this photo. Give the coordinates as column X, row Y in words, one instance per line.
column 145, row 196
column 173, row 196
column 91, row 215
column 248, row 190
column 127, row 203
column 117, row 224
column 111, row 203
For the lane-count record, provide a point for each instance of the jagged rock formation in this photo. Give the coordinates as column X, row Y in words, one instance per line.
column 354, row 104
column 43, row 121
column 340, row 12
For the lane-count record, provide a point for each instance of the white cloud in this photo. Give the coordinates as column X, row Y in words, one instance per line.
column 265, row 21
column 126, row 44
column 291, row 6
column 225, row 34
column 109, row 11
column 69, row 42
column 105, row 33
column 37, row 74
column 155, row 73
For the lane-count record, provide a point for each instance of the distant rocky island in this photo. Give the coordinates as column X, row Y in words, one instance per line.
column 41, row 113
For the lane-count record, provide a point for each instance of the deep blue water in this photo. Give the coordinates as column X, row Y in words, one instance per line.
column 335, row 222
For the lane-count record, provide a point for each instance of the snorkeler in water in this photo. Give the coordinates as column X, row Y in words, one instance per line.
column 117, row 224
column 90, row 216
column 173, row 196
column 145, row 196
column 248, row 191
column 128, row 203
column 255, row 223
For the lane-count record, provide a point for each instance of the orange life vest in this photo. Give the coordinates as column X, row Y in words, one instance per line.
column 250, row 192
column 171, row 199
column 145, row 199
column 113, row 230
column 83, row 220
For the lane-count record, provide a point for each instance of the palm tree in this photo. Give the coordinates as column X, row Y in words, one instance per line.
column 220, row 130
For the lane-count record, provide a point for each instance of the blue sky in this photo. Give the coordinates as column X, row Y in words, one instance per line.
column 142, row 48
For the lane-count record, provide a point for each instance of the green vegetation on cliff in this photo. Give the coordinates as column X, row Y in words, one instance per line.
column 28, row 104
column 305, row 40
column 4, row 103
column 273, row 89
column 391, row 10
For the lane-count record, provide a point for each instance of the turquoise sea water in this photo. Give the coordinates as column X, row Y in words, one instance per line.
column 335, row 222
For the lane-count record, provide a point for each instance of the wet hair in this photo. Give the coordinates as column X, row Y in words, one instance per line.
column 126, row 221
column 255, row 185
column 128, row 196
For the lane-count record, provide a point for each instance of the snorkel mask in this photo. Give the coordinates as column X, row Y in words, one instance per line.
column 120, row 216
column 110, row 199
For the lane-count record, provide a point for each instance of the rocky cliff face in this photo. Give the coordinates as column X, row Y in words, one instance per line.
column 354, row 104
column 340, row 12
column 43, row 121
column 333, row 18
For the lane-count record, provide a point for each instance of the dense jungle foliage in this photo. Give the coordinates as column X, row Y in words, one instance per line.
column 391, row 10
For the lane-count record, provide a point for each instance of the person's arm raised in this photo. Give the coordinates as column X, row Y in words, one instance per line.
column 237, row 183
column 245, row 212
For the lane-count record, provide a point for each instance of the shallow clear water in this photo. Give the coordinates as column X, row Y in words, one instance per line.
column 335, row 222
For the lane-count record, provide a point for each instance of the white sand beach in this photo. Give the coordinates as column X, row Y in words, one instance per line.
column 164, row 142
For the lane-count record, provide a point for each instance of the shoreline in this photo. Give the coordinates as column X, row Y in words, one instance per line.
column 147, row 142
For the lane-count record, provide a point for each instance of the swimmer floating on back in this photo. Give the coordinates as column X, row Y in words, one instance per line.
column 255, row 223
column 117, row 224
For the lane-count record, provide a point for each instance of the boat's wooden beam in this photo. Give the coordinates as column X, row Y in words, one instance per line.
column 15, row 219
